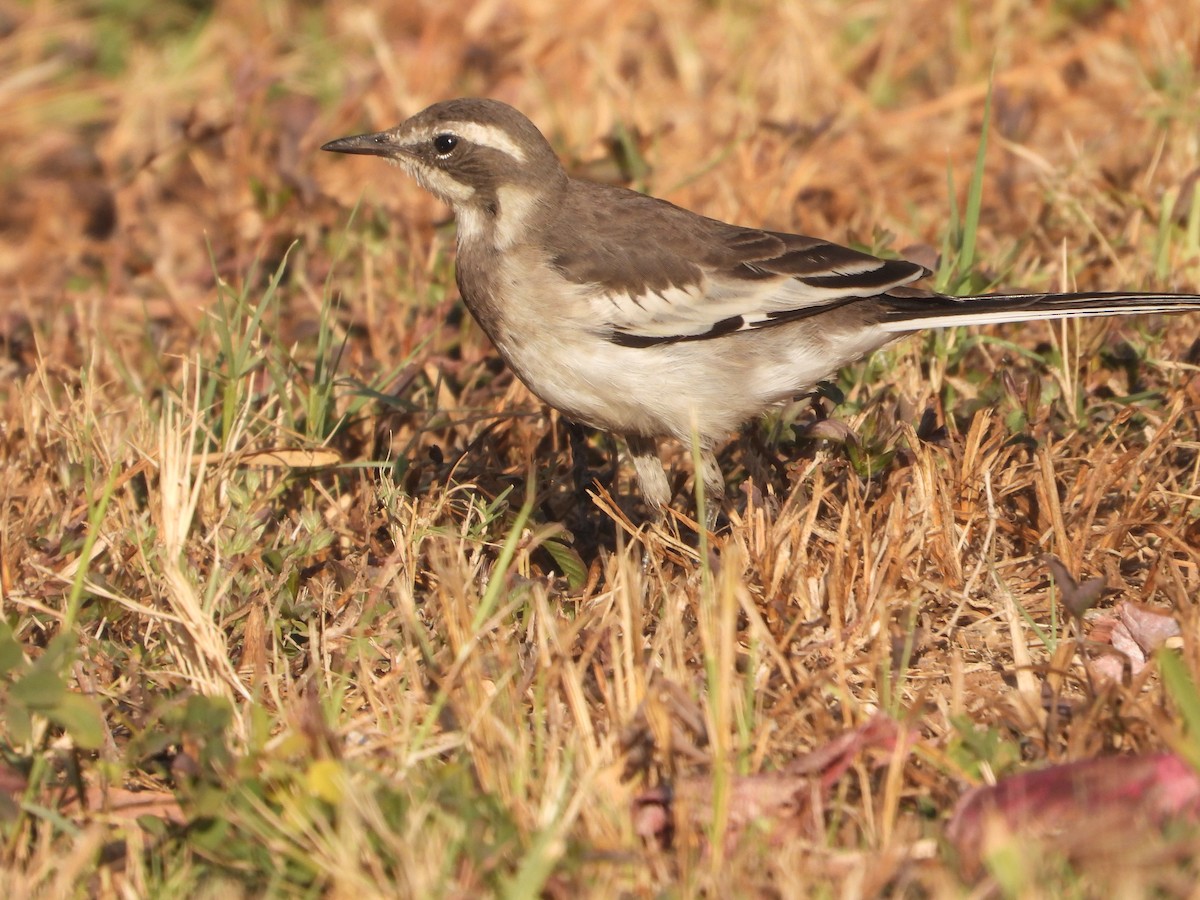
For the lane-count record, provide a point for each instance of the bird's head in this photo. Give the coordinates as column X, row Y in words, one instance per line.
column 482, row 157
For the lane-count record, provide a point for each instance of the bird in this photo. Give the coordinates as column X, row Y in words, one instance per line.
column 640, row 318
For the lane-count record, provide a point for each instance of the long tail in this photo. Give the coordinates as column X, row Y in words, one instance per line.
column 915, row 312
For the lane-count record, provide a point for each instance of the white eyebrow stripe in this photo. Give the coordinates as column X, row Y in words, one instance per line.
column 486, row 136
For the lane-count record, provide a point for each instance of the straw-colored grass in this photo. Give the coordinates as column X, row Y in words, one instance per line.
column 301, row 596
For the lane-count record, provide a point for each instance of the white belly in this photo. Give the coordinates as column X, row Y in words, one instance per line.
column 550, row 337
column 711, row 387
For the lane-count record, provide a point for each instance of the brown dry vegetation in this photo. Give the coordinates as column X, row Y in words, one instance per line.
column 296, row 572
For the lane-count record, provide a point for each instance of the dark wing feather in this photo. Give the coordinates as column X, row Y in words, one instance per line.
column 667, row 275
column 914, row 310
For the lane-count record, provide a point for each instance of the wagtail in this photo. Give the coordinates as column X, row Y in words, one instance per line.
column 635, row 316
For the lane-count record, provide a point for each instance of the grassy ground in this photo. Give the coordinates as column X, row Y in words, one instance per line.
column 299, row 597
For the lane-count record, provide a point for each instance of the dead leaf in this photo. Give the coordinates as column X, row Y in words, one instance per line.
column 1076, row 803
column 125, row 804
column 292, row 459
column 830, row 430
column 1077, row 598
column 1150, row 627
column 1135, row 633
column 789, row 799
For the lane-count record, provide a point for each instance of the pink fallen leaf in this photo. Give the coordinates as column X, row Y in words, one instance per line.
column 1123, row 642
column 12, row 781
column 1110, row 666
column 835, row 757
column 1077, row 801
column 1135, row 632
column 1150, row 627
column 784, row 798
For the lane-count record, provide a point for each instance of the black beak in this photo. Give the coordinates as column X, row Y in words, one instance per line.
column 377, row 144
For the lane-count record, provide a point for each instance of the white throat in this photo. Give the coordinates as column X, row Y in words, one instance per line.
column 508, row 228
column 518, row 206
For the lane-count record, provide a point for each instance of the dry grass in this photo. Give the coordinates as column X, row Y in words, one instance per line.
column 296, row 573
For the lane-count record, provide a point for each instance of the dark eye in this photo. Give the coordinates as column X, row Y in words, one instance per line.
column 444, row 144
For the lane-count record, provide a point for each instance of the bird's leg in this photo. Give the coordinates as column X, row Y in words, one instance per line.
column 714, row 487
column 652, row 477
column 580, row 471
